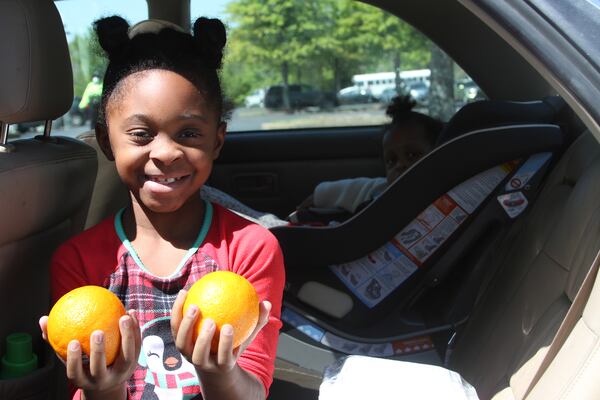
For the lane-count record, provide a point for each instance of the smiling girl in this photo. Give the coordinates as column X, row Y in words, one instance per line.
column 161, row 121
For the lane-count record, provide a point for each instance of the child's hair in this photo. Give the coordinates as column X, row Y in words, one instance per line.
column 401, row 112
column 198, row 58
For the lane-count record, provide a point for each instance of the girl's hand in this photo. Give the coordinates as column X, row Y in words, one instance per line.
column 100, row 379
column 182, row 327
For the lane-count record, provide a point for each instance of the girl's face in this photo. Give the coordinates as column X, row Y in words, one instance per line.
column 163, row 136
column 402, row 148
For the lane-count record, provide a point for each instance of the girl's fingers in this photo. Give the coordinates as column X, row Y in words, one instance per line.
column 44, row 327
column 263, row 319
column 224, row 353
column 74, row 365
column 201, row 352
column 264, row 312
column 128, row 344
column 183, row 340
column 177, row 312
column 97, row 356
column 137, row 335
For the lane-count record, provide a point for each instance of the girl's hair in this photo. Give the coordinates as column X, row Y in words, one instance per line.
column 401, row 112
column 196, row 57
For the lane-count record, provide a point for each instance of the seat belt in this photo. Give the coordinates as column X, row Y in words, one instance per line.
column 568, row 323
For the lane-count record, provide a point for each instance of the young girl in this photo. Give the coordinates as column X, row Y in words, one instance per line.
column 409, row 136
column 161, row 121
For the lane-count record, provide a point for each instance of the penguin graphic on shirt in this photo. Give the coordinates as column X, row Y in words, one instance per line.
column 168, row 374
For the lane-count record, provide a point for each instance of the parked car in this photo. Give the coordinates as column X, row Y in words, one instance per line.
column 355, row 95
column 388, row 94
column 467, row 91
column 255, row 99
column 419, row 91
column 487, row 304
column 23, row 127
column 300, row 96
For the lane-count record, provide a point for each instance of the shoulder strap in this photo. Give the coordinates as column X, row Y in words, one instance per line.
column 568, row 323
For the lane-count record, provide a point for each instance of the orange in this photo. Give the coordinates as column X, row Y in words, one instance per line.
column 226, row 298
column 79, row 313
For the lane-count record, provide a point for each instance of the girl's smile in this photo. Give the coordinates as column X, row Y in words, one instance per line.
column 164, row 137
column 163, row 184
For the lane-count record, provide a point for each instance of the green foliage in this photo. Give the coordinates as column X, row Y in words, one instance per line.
column 320, row 42
column 86, row 58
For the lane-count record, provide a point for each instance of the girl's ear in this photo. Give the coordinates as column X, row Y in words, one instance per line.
column 221, row 129
column 104, row 142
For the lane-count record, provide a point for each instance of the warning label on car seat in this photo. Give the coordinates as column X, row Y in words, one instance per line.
column 373, row 277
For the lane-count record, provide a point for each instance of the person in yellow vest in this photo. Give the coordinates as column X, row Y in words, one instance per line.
column 88, row 106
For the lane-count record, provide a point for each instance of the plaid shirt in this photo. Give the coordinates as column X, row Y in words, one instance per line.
column 103, row 256
column 151, row 298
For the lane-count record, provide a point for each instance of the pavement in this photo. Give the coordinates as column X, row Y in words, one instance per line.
column 257, row 119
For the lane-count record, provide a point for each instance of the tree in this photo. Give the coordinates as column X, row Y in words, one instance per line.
column 322, row 41
column 393, row 38
column 277, row 32
column 86, row 58
column 441, row 90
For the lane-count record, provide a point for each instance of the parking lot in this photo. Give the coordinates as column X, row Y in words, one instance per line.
column 253, row 119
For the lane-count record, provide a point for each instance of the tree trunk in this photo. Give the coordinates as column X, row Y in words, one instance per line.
column 441, row 89
column 286, row 91
column 397, row 79
column 336, row 75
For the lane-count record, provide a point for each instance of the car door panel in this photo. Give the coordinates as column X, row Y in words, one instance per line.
column 278, row 176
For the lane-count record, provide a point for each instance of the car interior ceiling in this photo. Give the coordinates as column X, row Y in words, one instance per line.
column 485, row 284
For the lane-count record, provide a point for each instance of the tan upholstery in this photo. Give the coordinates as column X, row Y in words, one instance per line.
column 110, row 194
column 36, row 82
column 540, row 270
column 574, row 373
column 45, row 189
column 538, row 275
column 45, row 184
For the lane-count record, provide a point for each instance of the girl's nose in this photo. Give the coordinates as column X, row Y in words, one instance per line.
column 165, row 149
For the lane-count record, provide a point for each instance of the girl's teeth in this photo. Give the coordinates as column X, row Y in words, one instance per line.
column 167, row 180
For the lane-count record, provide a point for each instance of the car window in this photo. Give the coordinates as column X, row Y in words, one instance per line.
column 339, row 72
column 87, row 61
column 342, row 53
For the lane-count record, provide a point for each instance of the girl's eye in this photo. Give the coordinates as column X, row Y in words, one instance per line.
column 390, row 161
column 140, row 135
column 190, row 133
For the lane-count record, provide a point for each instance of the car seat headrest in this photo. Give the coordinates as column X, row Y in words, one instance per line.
column 152, row 26
column 489, row 113
column 36, row 80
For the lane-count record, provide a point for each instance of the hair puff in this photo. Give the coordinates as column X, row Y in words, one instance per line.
column 112, row 34
column 400, row 107
column 211, row 37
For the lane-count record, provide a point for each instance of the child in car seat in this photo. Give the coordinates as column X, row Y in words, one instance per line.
column 161, row 120
column 408, row 137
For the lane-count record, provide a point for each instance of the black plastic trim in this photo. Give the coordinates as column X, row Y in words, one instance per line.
column 441, row 170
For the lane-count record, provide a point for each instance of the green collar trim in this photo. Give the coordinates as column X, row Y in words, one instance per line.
column 208, row 214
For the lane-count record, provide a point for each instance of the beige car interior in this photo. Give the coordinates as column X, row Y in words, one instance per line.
column 46, row 185
column 540, row 266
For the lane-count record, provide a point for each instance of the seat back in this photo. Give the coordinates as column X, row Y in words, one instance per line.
column 538, row 273
column 109, row 194
column 45, row 183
